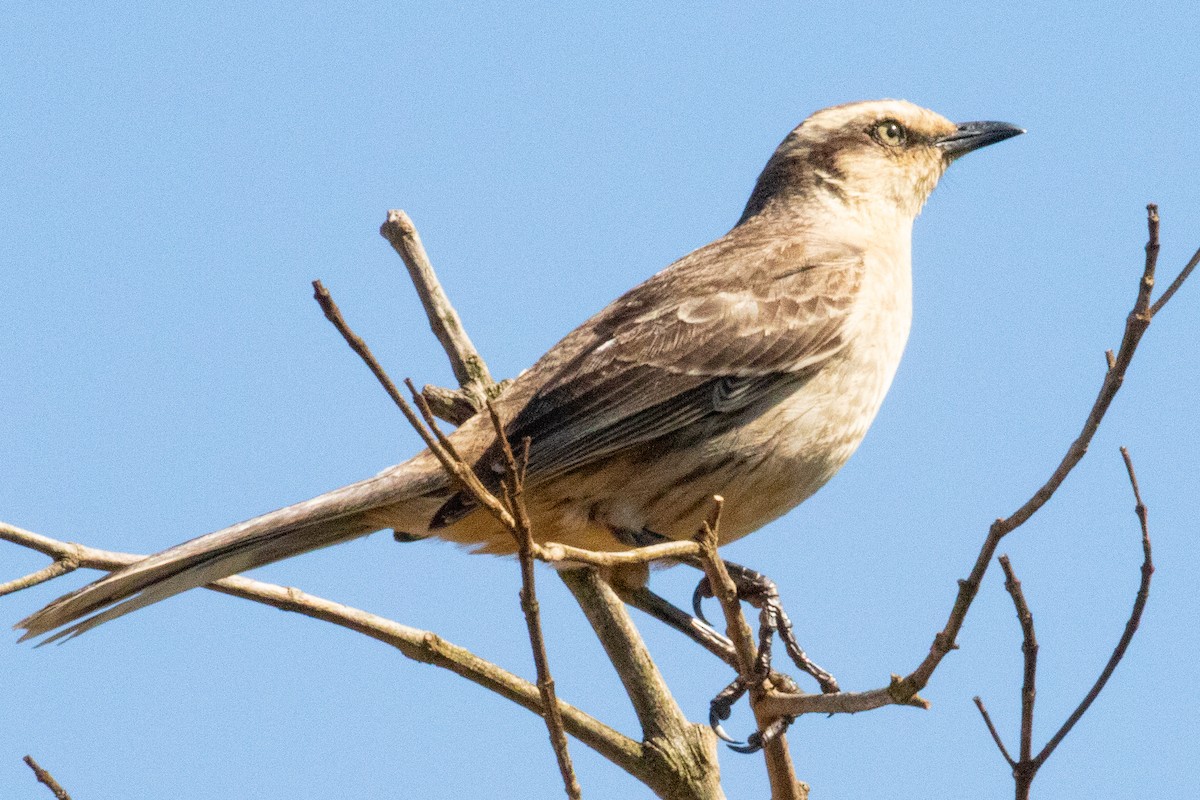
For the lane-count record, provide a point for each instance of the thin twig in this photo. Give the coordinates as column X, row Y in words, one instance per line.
column 469, row 367
column 1025, row 769
column 725, row 591
column 1136, row 324
column 454, row 406
column 46, row 778
column 1029, row 649
column 700, row 632
column 437, row 442
column 987, row 720
column 514, row 488
column 511, row 514
column 1131, row 625
column 47, row 573
column 1175, row 284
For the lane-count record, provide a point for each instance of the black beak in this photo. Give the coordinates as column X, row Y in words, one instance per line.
column 974, row 135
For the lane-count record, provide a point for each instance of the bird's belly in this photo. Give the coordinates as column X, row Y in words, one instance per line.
column 763, row 466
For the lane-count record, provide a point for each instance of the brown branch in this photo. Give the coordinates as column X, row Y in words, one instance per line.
column 686, row 750
column 1025, row 769
column 469, row 368
column 780, row 770
column 681, row 756
column 47, row 779
column 1131, row 625
column 60, row 566
column 454, row 406
column 903, row 690
column 643, row 599
column 1136, row 324
column 514, row 489
column 555, row 553
column 418, row 645
column 1029, row 649
column 725, row 591
column 987, row 720
column 434, row 439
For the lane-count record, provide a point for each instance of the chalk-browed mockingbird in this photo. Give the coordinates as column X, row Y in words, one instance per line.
column 750, row 368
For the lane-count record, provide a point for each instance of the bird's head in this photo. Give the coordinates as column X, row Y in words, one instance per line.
column 879, row 155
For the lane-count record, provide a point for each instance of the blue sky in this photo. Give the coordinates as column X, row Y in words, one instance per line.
column 176, row 175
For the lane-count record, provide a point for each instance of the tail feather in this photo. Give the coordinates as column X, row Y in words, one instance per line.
column 338, row 516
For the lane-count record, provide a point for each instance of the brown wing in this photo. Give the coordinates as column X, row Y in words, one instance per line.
column 719, row 330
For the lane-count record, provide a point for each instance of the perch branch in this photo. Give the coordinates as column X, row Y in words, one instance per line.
column 685, row 754
column 780, row 770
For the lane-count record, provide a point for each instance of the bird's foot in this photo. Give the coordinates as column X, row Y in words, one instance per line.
column 761, row 592
column 721, row 706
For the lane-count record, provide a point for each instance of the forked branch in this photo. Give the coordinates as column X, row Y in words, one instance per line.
column 1025, row 768
column 903, row 690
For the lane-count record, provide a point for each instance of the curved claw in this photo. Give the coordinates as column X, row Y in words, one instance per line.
column 715, row 724
column 752, row 744
column 698, row 596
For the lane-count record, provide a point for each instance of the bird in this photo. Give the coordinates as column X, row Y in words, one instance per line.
column 750, row 368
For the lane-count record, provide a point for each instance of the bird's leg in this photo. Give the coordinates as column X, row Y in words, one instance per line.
column 761, row 592
column 699, row 631
column 642, row 598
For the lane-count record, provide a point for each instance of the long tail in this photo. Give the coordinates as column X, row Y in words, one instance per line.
column 340, row 515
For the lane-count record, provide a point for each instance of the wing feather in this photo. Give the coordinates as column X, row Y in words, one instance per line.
column 681, row 348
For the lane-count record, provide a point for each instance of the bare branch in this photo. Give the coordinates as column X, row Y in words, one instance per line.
column 514, row 501
column 736, row 627
column 688, row 766
column 1029, row 648
column 1135, row 326
column 987, row 720
column 555, row 553
column 437, row 442
column 643, row 599
column 656, row 709
column 780, row 769
column 419, row 645
column 61, row 566
column 1026, row 767
column 685, row 749
column 1131, row 626
column 453, row 406
column 1175, row 284
column 469, row 367
column 47, row 779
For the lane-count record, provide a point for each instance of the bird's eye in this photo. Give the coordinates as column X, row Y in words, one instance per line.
column 891, row 133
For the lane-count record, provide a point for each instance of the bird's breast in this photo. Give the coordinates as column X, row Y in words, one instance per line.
column 781, row 456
